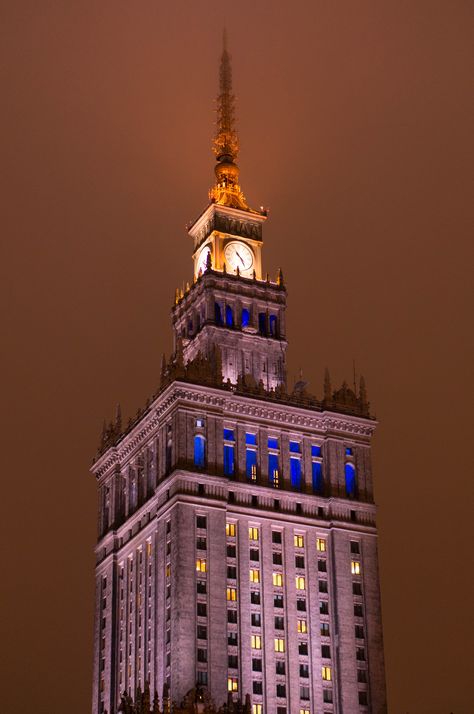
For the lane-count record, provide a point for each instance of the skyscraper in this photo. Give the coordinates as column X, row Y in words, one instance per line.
column 237, row 544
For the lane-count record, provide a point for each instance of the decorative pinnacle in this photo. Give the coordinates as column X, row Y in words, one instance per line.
column 226, row 141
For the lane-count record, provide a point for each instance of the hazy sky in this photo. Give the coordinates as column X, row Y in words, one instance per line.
column 354, row 125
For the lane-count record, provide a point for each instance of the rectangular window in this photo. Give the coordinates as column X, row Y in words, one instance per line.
column 304, row 711
column 201, row 522
column 299, row 541
column 358, row 611
column 202, row 677
column 359, row 632
column 257, row 687
column 299, row 561
column 355, row 547
column 232, row 594
column 251, row 464
column 322, row 566
column 355, row 567
column 303, row 648
column 276, row 536
column 317, row 476
column 300, row 582
column 253, row 533
column 295, row 447
column 229, row 435
column 315, row 450
column 232, row 684
column 256, row 664
column 229, row 460
column 201, row 587
column 304, row 671
column 272, row 443
column 295, row 472
column 278, row 579
column 324, row 607
column 323, row 586
column 201, row 565
column 360, row 654
column 201, row 543
column 201, row 609
column 357, row 588
column 232, row 661
column 202, row 655
column 255, row 597
column 304, row 693
column 251, row 439
column 231, row 551
column 277, row 558
column 302, row 626
column 301, row 604
column 254, row 575
column 254, row 554
column 232, row 639
column 232, row 616
column 280, row 667
column 321, row 544
column 199, row 451
column 273, row 470
column 281, row 690
column 362, row 675
column 325, row 652
column 230, row 530
column 255, row 619
column 256, row 642
column 279, row 644
column 257, row 709
column 231, row 572
column 278, row 601
column 327, row 696
column 326, row 673
column 201, row 632
column 279, row 623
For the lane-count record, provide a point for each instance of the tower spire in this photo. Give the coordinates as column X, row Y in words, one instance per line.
column 226, row 191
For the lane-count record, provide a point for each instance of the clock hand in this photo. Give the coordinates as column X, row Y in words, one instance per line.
column 238, row 254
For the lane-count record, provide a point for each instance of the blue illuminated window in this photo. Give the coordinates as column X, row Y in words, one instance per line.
column 229, row 461
column 251, row 464
column 262, row 323
column 273, row 471
column 251, row 439
column 348, row 451
column 217, row 313
column 295, row 472
column 317, row 474
column 315, row 450
column 295, row 447
column 245, row 317
column 229, row 316
column 273, row 325
column 351, row 484
column 272, row 443
column 199, row 451
column 229, row 435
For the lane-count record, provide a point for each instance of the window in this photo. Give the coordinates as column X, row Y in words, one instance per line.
column 201, row 587
column 362, row 675
column 321, row 544
column 257, row 709
column 201, row 543
column 254, row 554
column 232, row 661
column 273, row 470
column 251, row 464
column 363, row 698
column 231, row 551
column 273, row 325
column 280, row 667
column 256, row 664
column 327, row 696
column 304, row 693
column 202, row 655
column 360, row 654
column 232, row 639
column 272, row 443
column 358, row 611
column 278, row 601
column 217, row 313
column 315, row 450
column 304, row 711
column 276, row 536
column 257, row 687
column 357, row 588
column 200, row 423
column 255, row 597
column 300, row 582
column 324, row 607
column 230, row 530
column 279, row 623
column 251, row 439
column 245, row 317
column 295, row 447
column 323, row 586
column 299, row 541
column 277, row 558
column 254, row 575
column 281, row 690
column 201, row 522
column 326, row 673
column 325, row 652
column 301, row 604
column 317, row 477
column 232, row 594
column 231, row 572
column 201, row 609
column 295, row 472
column 350, row 475
column 232, row 616
column 278, row 579
column 201, row 565
column 348, row 451
column 201, row 632
column 355, row 547
column 253, row 533
column 229, row 435
column 255, row 619
column 303, row 648
column 256, row 642
column 229, row 460
column 355, row 567
column 302, row 626
column 281, row 710
column 232, row 684
column 304, row 671
column 262, row 323
column 359, row 632
column 199, row 451
column 279, row 644
column 322, row 566
column 299, row 561
column 202, row 677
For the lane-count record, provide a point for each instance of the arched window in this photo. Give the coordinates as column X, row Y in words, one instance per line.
column 218, row 313
column 229, row 316
column 199, row 451
column 262, row 323
column 351, row 481
column 273, row 325
column 245, row 317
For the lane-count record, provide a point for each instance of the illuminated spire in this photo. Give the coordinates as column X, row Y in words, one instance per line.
column 226, row 191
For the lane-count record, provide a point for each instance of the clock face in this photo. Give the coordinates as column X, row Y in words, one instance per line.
column 238, row 255
column 202, row 260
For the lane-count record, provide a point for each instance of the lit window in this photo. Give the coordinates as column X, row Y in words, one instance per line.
column 315, row 450
column 200, row 423
column 302, row 626
column 300, row 582
column 272, row 443
column 256, row 642
column 254, row 576
column 321, row 544
column 257, row 709
column 295, row 447
column 232, row 684
column 299, row 541
column 229, row 460
column 230, row 530
column 273, row 470
column 199, row 451
column 295, row 472
column 355, row 567
column 232, row 594
column 278, row 579
column 201, row 565
column 326, row 673
column 351, row 484
column 229, row 435
column 279, row 644
column 348, row 451
column 251, row 439
column 168, row 570
column 253, row 533
column 317, row 476
column 251, row 464
column 304, row 711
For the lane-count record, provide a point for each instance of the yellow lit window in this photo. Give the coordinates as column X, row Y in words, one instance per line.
column 253, row 533
column 256, row 642
column 168, row 570
column 304, row 711
column 299, row 541
column 148, row 548
column 279, row 644
column 278, row 579
column 326, row 673
column 302, row 626
column 300, row 583
column 201, row 565
column 255, row 576
column 321, row 544
column 231, row 594
column 230, row 529
column 257, row 709
column 355, row 567
column 253, row 476
column 232, row 684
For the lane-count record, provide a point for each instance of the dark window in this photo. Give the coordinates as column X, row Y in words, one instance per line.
column 257, row 687
column 202, row 655
column 317, row 476
column 303, row 648
column 351, row 485
column 363, row 698
column 202, row 609
column 357, row 588
column 360, row 654
column 218, row 313
column 229, row 460
column 232, row 661
column 202, row 677
column 199, row 451
column 277, row 559
column 322, row 566
column 327, row 696
column 232, row 616
column 201, row 544
column 276, row 504
column 231, row 497
column 299, row 561
column 273, row 325
column 324, row 629
column 323, row 586
column 257, row 665
column 353, row 516
column 262, row 323
column 255, row 597
column 201, row 489
column 279, row 623
column 254, row 500
column 304, row 693
column 281, row 710
column 358, row 611
column 362, row 675
column 280, row 667
column 254, row 554
column 324, row 607
column 201, row 522
column 245, row 317
column 281, row 690
column 231, row 551
column 232, row 638
column 202, row 632
column 359, row 632
column 304, row 671
column 278, row 601
column 229, row 317
column 348, row 451
column 301, row 604
column 295, row 472
column 231, row 572
column 355, row 547
column 276, row 536
column 255, row 619
column 325, row 651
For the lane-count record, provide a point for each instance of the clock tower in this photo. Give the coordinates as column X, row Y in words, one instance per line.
column 230, row 302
